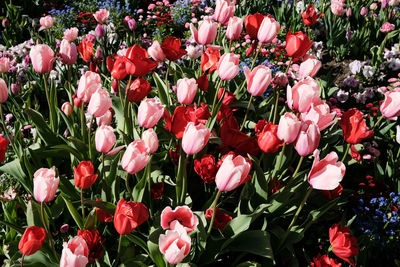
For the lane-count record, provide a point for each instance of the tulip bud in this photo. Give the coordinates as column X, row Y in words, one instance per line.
column 104, row 139
column 67, row 108
column 289, row 127
column 268, row 30
column 3, row 91
column 228, row 66
column 150, row 138
column 186, row 90
column 42, row 58
column 45, row 185
column 195, row 138
column 308, row 139
column 235, row 27
column 156, row 52
column 99, row 103
column 100, row 31
column 150, row 112
column 258, row 80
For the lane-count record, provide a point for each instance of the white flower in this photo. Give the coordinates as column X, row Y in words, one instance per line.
column 355, row 66
column 300, row 7
column 368, row 71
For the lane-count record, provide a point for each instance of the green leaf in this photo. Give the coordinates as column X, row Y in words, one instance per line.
column 138, row 241
column 64, row 148
column 13, row 226
column 14, row 169
column 154, row 250
column 33, row 214
column 42, row 128
column 39, row 259
column 106, row 206
column 261, row 184
column 74, row 213
column 161, row 89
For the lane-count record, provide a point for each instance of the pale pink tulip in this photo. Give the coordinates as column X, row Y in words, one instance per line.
column 186, row 90
column 135, row 157
column 398, row 134
column 67, row 108
column 150, row 112
column 105, row 119
column 104, row 139
column 233, row 172
column 195, row 137
column 42, row 58
column 46, row 22
column 303, row 94
column 268, row 30
column 99, row 103
column 3, row 91
column 235, row 27
column 75, row 253
column 71, row 34
column 390, row 107
column 150, row 138
column 89, row 83
column 156, row 52
column 289, row 127
column 320, row 115
column 228, row 66
column 308, row 139
column 309, row 67
column 206, row 32
column 45, row 185
column 101, row 15
column 182, row 214
column 4, row 64
column 68, row 52
column 258, row 79
column 175, row 244
column 224, row 9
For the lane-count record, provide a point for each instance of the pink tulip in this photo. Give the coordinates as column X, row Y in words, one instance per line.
column 175, row 244
column 68, row 52
column 228, row 66
column 105, row 119
column 42, row 58
column 182, row 214
column 224, row 10
column 320, row 115
column 337, row 7
column 233, row 172
column 75, row 253
column 71, row 34
column 195, row 137
column 46, row 22
column 135, row 157
column 308, row 139
column 309, row 67
column 150, row 112
column 268, row 30
column 364, row 11
column 4, row 64
column 45, row 185
column 67, row 108
column 3, row 91
column 327, row 173
column 258, row 80
column 150, row 138
column 186, row 90
column 156, row 52
column 303, row 94
column 398, row 134
column 99, row 103
column 104, row 139
column 89, row 83
column 289, row 127
column 206, row 32
column 390, row 107
column 101, row 15
column 235, row 27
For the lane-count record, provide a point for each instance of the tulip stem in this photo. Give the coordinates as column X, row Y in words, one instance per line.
column 346, row 152
column 255, row 57
column 276, row 104
column 128, row 120
column 296, row 215
column 295, row 172
column 22, row 260
column 119, row 244
column 69, row 83
column 213, row 206
column 247, row 112
column 7, row 133
column 47, row 229
column 46, row 89
column 279, row 160
column 216, row 96
column 89, row 137
column 83, row 205
column 378, row 122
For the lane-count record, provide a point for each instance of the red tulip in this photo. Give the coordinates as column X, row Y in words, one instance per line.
column 183, row 115
column 209, row 59
column 94, row 242
column 138, row 90
column 157, row 190
column 119, row 66
column 141, row 64
column 102, row 215
column 343, row 245
column 129, row 215
column 32, row 240
column 206, row 168
column 3, row 148
column 84, row 175
column 267, row 136
column 172, row 48
column 221, row 219
column 324, row 261
column 310, row 16
column 85, row 48
column 297, row 44
column 354, row 126
column 252, row 23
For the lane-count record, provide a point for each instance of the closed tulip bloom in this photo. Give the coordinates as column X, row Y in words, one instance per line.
column 135, row 157
column 156, row 52
column 3, row 91
column 320, row 115
column 233, row 172
column 186, row 90
column 32, row 240
column 181, row 214
column 45, row 185
column 224, row 9
column 195, row 138
column 175, row 244
column 150, row 112
column 258, row 79
column 390, row 107
column 129, row 215
column 46, row 22
column 326, row 174
column 105, row 119
column 4, row 64
column 354, row 126
column 101, row 15
column 68, row 52
column 75, row 253
column 206, row 32
column 42, row 58
column 105, row 139
column 99, row 103
column 119, row 68
column 268, row 30
column 150, row 138
column 89, row 83
column 228, row 66
column 289, row 127
column 337, row 7
column 84, row 176
column 308, row 139
column 67, row 108
column 71, row 34
column 235, row 27
column 267, row 137
column 309, row 67
column 297, row 44
column 303, row 94
column 310, row 15
column 343, row 244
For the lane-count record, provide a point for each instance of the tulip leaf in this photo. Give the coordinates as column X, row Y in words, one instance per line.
column 14, row 169
column 13, row 226
column 161, row 89
column 106, row 206
column 68, row 189
column 154, row 250
column 39, row 259
column 42, row 128
column 33, row 215
column 91, row 220
column 138, row 241
column 74, row 213
column 261, row 184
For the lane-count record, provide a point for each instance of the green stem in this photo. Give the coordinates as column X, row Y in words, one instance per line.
column 46, row 89
column 8, row 134
column 69, row 84
column 378, row 122
column 216, row 95
column 126, row 107
column 119, row 244
column 276, row 105
column 214, row 205
column 22, row 260
column 83, row 122
column 346, row 152
column 295, row 172
column 279, row 161
column 128, row 188
column 184, row 180
column 47, row 229
column 247, row 113
column 89, row 137
column 82, row 205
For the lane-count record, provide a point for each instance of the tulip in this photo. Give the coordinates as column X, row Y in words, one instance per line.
column 3, row 148
column 89, row 83
column 195, row 138
column 94, row 242
column 172, row 48
column 42, row 58
column 46, row 22
column 327, row 173
column 310, row 16
column 390, row 107
column 32, row 240
column 324, row 260
column 105, row 119
column 354, row 126
column 206, row 32
column 234, row 29
column 267, row 137
column 202, row 82
column 140, row 63
column 67, row 108
column 150, row 138
column 129, row 215
column 135, row 157
column 119, row 67
column 84, row 175
column 85, row 49
column 45, row 185
column 343, row 245
column 4, row 64
column 156, row 52
column 138, row 90
column 233, row 172
column 337, row 7
column 303, row 94
column 71, row 34
column 320, row 115
column 297, row 44
column 186, row 90
column 75, row 253
column 68, row 52
column 252, row 23
column 398, row 134
column 268, row 30
column 309, row 67
column 101, row 15
column 228, row 66
column 175, row 244
column 3, row 91
column 150, row 112
column 308, row 139
column 289, row 127
column 209, row 59
column 206, row 168
column 181, row 214
column 258, row 80
column 224, row 10
column 99, row 103
column 193, row 52
column 104, row 139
